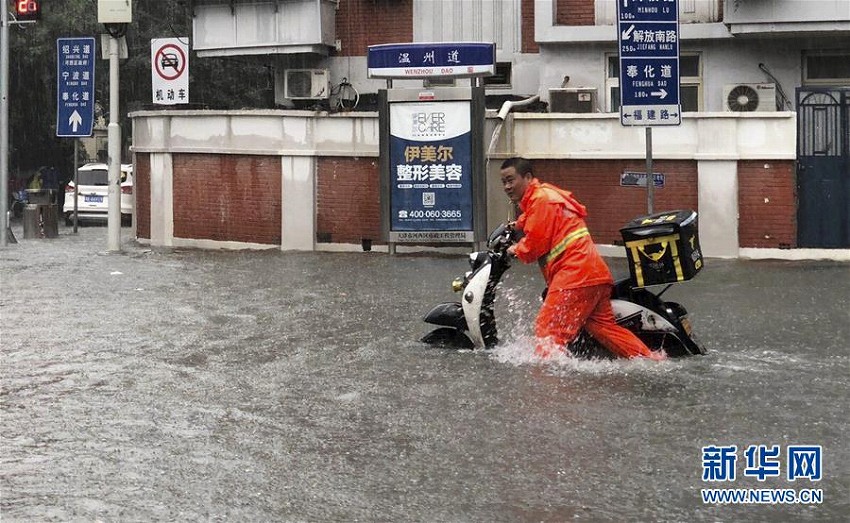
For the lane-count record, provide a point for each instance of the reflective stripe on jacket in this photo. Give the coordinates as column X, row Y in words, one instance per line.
column 557, row 238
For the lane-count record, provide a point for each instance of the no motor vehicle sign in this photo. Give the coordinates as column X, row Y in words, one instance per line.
column 170, row 70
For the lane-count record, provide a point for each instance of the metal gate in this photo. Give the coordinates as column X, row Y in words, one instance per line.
column 823, row 167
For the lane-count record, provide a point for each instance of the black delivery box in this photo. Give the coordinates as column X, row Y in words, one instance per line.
column 663, row 247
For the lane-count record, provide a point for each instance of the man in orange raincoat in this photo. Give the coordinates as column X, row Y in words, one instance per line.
column 579, row 281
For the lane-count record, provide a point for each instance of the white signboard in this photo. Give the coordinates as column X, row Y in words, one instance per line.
column 170, row 70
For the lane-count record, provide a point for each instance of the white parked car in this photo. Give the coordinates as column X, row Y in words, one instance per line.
column 93, row 193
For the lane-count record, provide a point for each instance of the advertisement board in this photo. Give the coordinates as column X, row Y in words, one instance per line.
column 432, row 163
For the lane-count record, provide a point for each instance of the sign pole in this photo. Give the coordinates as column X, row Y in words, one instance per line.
column 650, row 177
column 75, row 96
column 76, row 181
column 648, row 40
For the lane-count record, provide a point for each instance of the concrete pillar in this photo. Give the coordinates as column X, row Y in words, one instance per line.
column 162, row 200
column 718, row 208
column 298, row 203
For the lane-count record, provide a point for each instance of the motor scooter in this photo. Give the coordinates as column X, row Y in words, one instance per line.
column 471, row 322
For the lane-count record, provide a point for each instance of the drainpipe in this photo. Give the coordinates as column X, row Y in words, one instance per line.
column 503, row 114
column 509, row 105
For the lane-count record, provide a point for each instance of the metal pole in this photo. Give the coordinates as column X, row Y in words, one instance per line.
column 4, row 122
column 76, row 181
column 650, row 179
column 114, row 137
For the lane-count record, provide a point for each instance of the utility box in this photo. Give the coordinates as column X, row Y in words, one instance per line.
column 114, row 11
column 572, row 100
column 663, row 247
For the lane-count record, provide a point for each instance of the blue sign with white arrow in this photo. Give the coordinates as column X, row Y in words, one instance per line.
column 648, row 37
column 75, row 86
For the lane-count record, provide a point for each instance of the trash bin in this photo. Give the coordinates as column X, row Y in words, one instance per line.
column 41, row 221
column 30, row 219
column 50, row 220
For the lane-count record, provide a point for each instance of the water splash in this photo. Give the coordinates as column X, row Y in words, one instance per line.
column 518, row 344
column 520, row 352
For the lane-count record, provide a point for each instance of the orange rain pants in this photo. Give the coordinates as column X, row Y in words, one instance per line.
column 566, row 311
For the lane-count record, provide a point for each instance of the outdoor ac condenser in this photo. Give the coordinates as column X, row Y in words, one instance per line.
column 306, row 84
column 745, row 98
column 572, row 100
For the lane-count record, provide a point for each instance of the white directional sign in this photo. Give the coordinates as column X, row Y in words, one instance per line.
column 648, row 34
column 170, row 70
column 75, row 86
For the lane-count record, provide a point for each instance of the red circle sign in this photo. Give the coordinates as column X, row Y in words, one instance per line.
column 169, row 62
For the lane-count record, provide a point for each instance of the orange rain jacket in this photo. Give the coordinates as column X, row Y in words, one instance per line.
column 557, row 238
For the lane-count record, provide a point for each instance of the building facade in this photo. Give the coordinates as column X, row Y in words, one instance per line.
column 769, row 170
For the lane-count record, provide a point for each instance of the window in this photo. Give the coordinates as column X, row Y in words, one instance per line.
column 95, row 177
column 690, row 82
column 826, row 67
column 502, row 78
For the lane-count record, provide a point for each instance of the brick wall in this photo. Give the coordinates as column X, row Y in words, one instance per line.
column 361, row 23
column 227, row 197
column 596, row 184
column 575, row 12
column 348, row 205
column 237, row 197
column 767, row 204
column 529, row 45
column 142, row 191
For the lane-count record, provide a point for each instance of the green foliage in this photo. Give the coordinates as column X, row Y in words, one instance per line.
column 214, row 83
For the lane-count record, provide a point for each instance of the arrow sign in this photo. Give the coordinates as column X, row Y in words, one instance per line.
column 648, row 38
column 75, row 86
column 75, row 121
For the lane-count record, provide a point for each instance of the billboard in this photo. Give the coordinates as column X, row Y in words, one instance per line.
column 431, row 143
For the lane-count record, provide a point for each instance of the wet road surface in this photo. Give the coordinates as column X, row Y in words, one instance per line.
column 188, row 385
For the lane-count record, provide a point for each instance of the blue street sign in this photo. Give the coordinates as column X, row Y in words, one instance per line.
column 648, row 37
column 638, row 179
column 423, row 60
column 75, row 86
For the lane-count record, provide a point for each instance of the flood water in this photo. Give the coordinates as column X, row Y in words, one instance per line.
column 188, row 385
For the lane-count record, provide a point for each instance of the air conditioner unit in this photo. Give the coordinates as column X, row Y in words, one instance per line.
column 746, row 98
column 572, row 100
column 306, row 84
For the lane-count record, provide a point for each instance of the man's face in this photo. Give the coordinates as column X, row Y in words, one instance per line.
column 514, row 183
